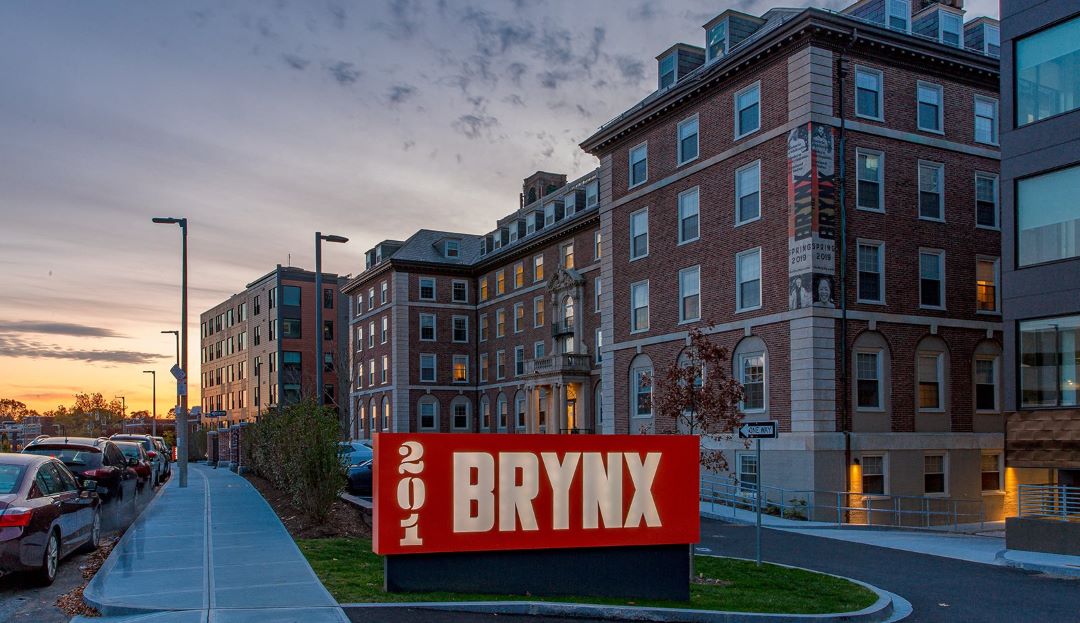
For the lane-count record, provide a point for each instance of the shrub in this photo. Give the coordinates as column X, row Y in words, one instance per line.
column 296, row 448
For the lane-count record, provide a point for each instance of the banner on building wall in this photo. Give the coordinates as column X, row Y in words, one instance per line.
column 479, row 492
column 812, row 216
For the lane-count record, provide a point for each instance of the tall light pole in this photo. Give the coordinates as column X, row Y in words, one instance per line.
column 153, row 422
column 177, row 335
column 319, row 337
column 181, row 413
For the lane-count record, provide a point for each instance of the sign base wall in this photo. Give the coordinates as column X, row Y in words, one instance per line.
column 641, row 572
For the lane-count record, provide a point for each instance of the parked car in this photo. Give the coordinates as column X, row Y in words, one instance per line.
column 44, row 515
column 91, row 459
column 357, row 457
column 167, row 452
column 156, row 458
column 138, row 460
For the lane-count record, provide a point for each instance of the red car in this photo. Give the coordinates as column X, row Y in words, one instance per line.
column 138, row 460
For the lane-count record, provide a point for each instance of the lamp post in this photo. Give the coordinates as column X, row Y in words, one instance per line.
column 319, row 337
column 153, row 422
column 181, row 413
column 176, row 334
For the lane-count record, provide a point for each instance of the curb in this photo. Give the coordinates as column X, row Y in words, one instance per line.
column 1058, row 571
column 880, row 611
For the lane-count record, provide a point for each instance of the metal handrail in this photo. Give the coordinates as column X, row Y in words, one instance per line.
column 1055, row 502
column 844, row 507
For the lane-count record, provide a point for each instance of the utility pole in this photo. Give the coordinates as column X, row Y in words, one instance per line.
column 181, row 385
column 319, row 337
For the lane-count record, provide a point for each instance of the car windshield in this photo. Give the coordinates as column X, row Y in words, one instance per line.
column 10, row 475
column 130, row 450
column 146, row 443
column 75, row 457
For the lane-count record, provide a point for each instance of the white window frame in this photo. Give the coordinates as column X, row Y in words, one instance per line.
column 453, row 368
column 538, row 260
column 997, row 200
column 500, row 357
column 384, row 329
column 371, row 298
column 598, row 244
column 434, row 328
column 371, row 334
column 539, row 313
column 599, row 336
column 519, row 270
column 920, row 85
column 597, row 289
column 633, row 234
column 744, row 486
column 996, row 261
column 905, row 13
column 942, row 15
column 738, row 130
column 877, row 73
column 881, row 271
column 500, row 322
column 944, row 474
column 484, row 327
column 939, row 358
column 592, row 191
column 519, row 317
column 420, row 293
column 371, row 372
column 453, row 329
column 941, row 266
column 996, row 361
column 633, row 310
column 519, row 360
column 879, row 356
column 679, row 141
column 885, row 488
column 859, row 153
column 685, row 213
column 740, row 361
column 994, row 130
column 941, row 190
column 483, row 367
column 384, row 290
column 384, row 372
column 999, row 456
column 434, row 403
column 739, row 192
column 453, row 290
column 630, row 165
column 468, row 414
column 739, row 307
column 539, row 349
column 683, row 294
column 635, row 391
column 434, row 367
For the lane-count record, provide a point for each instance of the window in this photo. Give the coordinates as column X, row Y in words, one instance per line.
column 873, row 475
column 461, row 328
column 932, row 279
column 748, row 276
column 639, row 164
column 597, row 289
column 271, row 297
column 748, row 193
column 427, row 368
column 934, row 474
column 639, row 234
column 500, row 364
column 688, row 140
column 359, row 337
column 639, row 306
column 931, row 198
column 986, row 384
column 328, row 330
column 385, row 413
column 690, row 294
column 461, row 291
column 592, row 194
column 748, row 472
column 568, row 255
column 371, row 334
column 461, row 368
column 986, row 200
column 986, row 112
column 519, row 317
column 929, row 117
column 1048, row 72
column 899, row 14
column 871, row 260
column 549, row 214
column 992, row 40
column 384, row 376
column 484, row 289
column 427, row 327
column 539, row 350
column 328, row 298
column 538, row 268
column 500, row 322
column 500, row 282
column 569, row 204
column 752, row 377
column 519, row 360
column 290, row 295
column 642, row 389
column 258, row 335
column 868, row 93
column 519, row 274
column 717, row 40
column 1049, row 360
column 503, row 411
column 747, row 110
column 990, row 466
column 666, row 74
column 599, row 344
column 485, row 414
column 868, row 376
column 483, row 327
column 930, row 381
column 598, row 244
column 459, row 411
column 384, row 292
column 483, row 367
column 371, row 298
column 371, row 372
column 1047, row 218
column 986, row 291
column 538, row 311
column 427, row 289
column 870, row 189
column 290, row 328
column 452, row 248
column 951, row 28
column 428, row 409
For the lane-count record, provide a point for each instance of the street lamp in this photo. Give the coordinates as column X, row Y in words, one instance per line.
column 319, row 337
column 176, row 334
column 181, row 413
column 153, row 422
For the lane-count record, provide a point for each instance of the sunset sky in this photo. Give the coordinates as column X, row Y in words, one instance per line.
column 262, row 122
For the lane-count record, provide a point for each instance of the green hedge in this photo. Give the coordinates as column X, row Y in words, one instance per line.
column 296, row 449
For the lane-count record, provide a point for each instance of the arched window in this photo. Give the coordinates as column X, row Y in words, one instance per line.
column 502, row 408
column 519, row 410
column 427, row 413
column 568, row 310
column 987, row 370
column 598, row 407
column 750, row 368
column 373, row 413
column 641, row 374
column 460, row 414
column 385, row 413
column 360, row 422
column 931, row 375
column 871, row 371
column 485, row 414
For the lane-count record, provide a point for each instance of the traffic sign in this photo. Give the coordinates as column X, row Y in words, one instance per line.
column 764, row 429
column 181, row 388
column 178, row 373
column 218, row 414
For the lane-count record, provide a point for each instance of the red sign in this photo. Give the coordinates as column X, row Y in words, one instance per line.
column 456, row 492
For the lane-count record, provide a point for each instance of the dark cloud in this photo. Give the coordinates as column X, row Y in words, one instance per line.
column 475, row 125
column 337, row 16
column 405, row 18
column 496, row 36
column 55, row 328
column 551, row 79
column 401, row 93
column 631, row 69
column 408, row 145
column 516, row 71
column 344, row 72
column 595, row 44
column 12, row 346
column 295, row 61
column 557, row 46
column 644, row 12
column 514, row 100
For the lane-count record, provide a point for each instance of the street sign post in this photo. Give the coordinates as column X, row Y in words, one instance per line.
column 763, row 429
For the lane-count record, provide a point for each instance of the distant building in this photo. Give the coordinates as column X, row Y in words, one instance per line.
column 257, row 348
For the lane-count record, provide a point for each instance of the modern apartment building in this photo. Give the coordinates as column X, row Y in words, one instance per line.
column 816, row 190
column 1040, row 175
column 257, row 348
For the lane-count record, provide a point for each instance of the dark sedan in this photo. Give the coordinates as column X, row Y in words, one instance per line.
column 99, row 460
column 357, row 458
column 44, row 515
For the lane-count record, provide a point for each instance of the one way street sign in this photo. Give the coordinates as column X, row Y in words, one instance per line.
column 758, row 430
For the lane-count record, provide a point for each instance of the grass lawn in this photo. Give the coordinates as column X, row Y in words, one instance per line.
column 353, row 574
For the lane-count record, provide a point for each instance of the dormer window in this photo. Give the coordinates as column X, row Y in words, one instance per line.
column 900, row 15
column 568, row 204
column 513, row 234
column 592, row 194
column 992, row 40
column 667, row 71
column 950, row 29
column 549, row 214
column 451, row 248
column 716, row 41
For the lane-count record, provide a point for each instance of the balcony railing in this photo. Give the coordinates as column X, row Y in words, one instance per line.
column 1056, row 502
column 562, row 327
column 565, row 362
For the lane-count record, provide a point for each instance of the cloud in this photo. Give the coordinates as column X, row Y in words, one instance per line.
column 631, row 69
column 55, row 328
column 295, row 61
column 644, row 12
column 400, row 93
column 12, row 346
column 337, row 16
column 516, row 71
column 405, row 18
column 408, row 145
column 494, row 36
column 344, row 72
column 475, row 125
column 514, row 100
column 551, row 79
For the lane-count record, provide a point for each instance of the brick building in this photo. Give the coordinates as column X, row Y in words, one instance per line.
column 257, row 348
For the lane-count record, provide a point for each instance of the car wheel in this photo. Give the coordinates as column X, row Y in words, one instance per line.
column 95, row 533
column 50, row 561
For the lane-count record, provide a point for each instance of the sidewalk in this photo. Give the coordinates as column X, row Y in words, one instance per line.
column 213, row 551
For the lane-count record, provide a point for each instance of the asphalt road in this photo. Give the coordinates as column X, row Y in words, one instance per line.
column 22, row 602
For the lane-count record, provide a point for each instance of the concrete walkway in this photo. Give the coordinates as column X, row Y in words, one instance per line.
column 214, row 551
